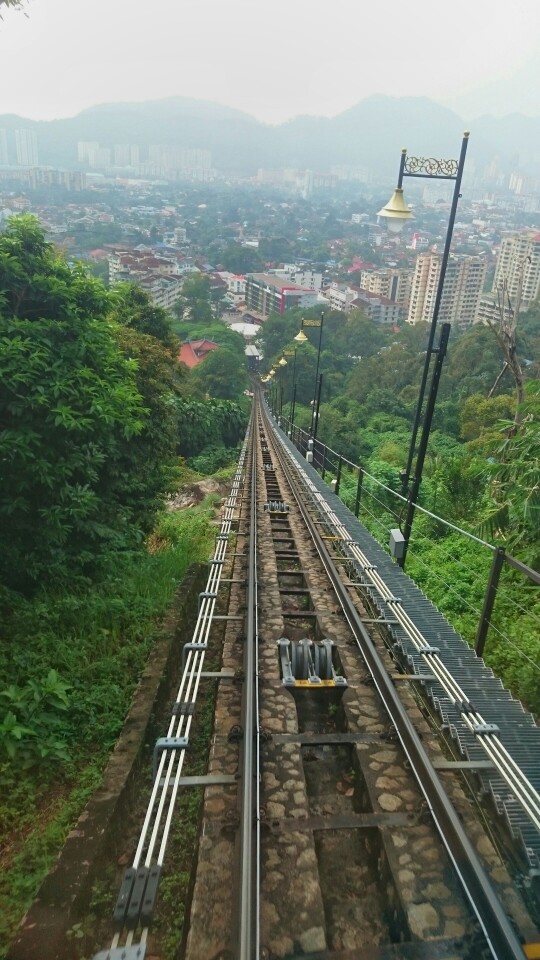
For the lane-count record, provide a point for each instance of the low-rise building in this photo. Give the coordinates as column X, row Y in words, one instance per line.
column 378, row 308
column 393, row 283
column 301, row 276
column 341, row 295
column 160, row 276
column 163, row 291
column 236, row 286
column 193, row 352
column 266, row 294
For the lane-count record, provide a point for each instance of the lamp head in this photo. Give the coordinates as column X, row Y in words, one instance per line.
column 396, row 212
column 300, row 337
column 282, row 362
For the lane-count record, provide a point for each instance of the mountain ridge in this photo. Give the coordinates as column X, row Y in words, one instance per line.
column 369, row 134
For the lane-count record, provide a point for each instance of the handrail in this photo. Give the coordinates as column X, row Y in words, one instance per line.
column 523, row 568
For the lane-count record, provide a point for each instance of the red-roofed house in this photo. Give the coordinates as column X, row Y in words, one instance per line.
column 193, row 352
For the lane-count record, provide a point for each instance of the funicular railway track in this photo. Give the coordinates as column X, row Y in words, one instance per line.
column 327, row 832
column 290, row 905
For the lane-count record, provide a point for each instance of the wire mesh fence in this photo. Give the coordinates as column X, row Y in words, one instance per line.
column 452, row 566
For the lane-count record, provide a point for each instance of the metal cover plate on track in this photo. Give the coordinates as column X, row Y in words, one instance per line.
column 135, row 952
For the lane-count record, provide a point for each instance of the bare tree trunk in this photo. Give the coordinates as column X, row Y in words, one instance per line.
column 505, row 334
column 497, row 381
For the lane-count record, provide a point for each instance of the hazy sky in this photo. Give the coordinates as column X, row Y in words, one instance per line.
column 274, row 59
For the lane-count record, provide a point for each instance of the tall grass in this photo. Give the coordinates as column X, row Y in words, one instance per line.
column 96, row 640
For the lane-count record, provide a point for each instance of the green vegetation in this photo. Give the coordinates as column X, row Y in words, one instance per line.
column 99, row 423
column 61, row 723
column 92, row 413
column 481, row 473
column 96, row 420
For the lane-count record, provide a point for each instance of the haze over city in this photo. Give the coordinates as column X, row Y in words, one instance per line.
column 58, row 57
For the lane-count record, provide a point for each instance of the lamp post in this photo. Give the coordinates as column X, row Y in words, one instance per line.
column 316, row 392
column 271, row 375
column 293, row 391
column 396, row 213
column 299, row 338
column 282, row 363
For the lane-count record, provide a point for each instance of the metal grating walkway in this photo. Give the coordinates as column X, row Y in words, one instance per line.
column 517, row 728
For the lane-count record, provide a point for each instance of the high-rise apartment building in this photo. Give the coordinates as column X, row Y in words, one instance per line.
column 87, row 151
column 4, row 157
column 122, row 154
column 182, row 160
column 26, row 148
column 519, row 263
column 463, row 286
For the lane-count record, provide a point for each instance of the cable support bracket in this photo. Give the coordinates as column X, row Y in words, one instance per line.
column 137, row 898
column 195, row 647
column 134, row 952
column 207, row 595
column 485, row 729
column 465, row 707
column 167, row 743
column 183, row 708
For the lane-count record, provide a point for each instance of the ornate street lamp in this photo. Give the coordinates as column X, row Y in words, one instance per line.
column 293, row 391
column 318, row 385
column 282, row 363
column 300, row 336
column 396, row 213
column 271, row 375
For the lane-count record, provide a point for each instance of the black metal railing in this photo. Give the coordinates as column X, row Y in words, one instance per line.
column 331, row 464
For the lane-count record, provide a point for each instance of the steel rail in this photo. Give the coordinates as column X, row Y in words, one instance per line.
column 516, row 780
column 248, row 911
column 501, row 938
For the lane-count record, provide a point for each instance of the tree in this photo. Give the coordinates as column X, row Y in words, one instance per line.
column 472, row 365
column 133, row 308
column 208, row 423
column 504, row 329
column 278, row 249
column 514, row 514
column 222, row 374
column 240, row 259
column 481, row 416
column 147, row 465
column 195, row 299
column 358, row 336
column 68, row 406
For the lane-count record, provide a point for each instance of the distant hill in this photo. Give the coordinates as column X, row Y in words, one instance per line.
column 371, row 134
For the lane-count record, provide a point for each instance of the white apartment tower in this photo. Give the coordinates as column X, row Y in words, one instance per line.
column 26, row 148
column 519, row 261
column 87, row 151
column 463, row 286
column 4, row 158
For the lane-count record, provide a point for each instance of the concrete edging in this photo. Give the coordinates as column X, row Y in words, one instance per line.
column 42, row 934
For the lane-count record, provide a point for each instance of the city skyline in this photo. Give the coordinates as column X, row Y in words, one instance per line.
column 298, row 61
